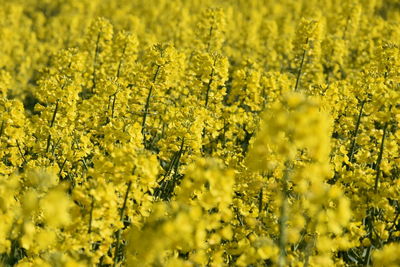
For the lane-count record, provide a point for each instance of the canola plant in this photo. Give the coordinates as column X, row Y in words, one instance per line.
column 199, row 133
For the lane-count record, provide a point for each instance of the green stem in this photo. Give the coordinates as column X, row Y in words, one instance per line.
column 210, row 35
column 113, row 105
column 62, row 167
column 179, row 155
column 122, row 214
column 300, row 68
column 379, row 160
column 2, row 128
column 168, row 185
column 53, row 119
column 121, row 60
column 260, row 201
column 20, row 152
column 147, row 105
column 369, row 225
column 353, row 142
column 209, row 84
column 345, row 28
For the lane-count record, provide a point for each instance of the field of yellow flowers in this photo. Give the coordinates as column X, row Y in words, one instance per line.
column 199, row 133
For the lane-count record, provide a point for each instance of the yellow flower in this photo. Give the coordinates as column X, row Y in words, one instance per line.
column 55, row 207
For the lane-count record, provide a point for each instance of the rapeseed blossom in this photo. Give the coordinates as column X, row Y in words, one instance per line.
column 199, row 133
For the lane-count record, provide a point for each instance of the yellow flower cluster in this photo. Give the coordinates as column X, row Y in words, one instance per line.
column 199, row 133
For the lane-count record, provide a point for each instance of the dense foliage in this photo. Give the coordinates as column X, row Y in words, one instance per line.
column 199, row 133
